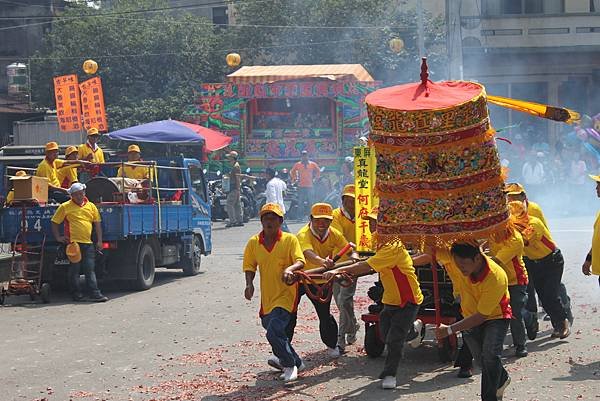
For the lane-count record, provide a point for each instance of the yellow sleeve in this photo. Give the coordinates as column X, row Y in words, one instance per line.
column 120, row 172
column 41, row 170
column 59, row 215
column 10, row 197
column 510, row 249
column 96, row 214
column 494, row 289
column 249, row 264
column 304, row 241
column 340, row 241
column 297, row 254
column 81, row 152
column 336, row 222
column 383, row 259
column 538, row 229
column 59, row 163
column 100, row 156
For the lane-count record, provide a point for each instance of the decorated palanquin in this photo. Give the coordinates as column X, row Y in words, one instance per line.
column 438, row 173
column 273, row 113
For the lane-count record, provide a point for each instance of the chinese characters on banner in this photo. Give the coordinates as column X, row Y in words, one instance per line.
column 92, row 102
column 364, row 182
column 68, row 108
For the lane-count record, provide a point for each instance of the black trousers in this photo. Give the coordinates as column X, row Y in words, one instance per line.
column 328, row 327
column 546, row 275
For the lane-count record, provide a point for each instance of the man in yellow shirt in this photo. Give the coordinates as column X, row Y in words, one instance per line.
column 319, row 243
column 344, row 222
column 592, row 260
column 10, row 196
column 140, row 172
column 90, row 151
column 79, row 216
column 508, row 254
column 48, row 169
column 485, row 305
column 401, row 299
column 276, row 255
column 67, row 175
column 545, row 265
column 516, row 192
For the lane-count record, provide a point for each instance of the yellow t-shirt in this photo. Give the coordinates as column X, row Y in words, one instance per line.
column 332, row 244
column 84, row 150
column 488, row 294
column 271, row 263
column 444, row 257
column 533, row 209
column 137, row 172
column 595, row 246
column 10, row 196
column 67, row 175
column 78, row 220
column 539, row 243
column 510, row 254
column 45, row 169
column 397, row 275
column 344, row 225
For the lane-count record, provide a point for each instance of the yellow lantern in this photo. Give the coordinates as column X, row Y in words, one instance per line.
column 90, row 66
column 396, row 45
column 233, row 59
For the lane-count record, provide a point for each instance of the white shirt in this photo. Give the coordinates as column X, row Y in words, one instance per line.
column 274, row 192
column 533, row 174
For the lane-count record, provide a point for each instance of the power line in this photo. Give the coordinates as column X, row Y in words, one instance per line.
column 190, row 53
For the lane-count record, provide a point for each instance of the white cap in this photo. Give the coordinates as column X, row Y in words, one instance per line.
column 76, row 187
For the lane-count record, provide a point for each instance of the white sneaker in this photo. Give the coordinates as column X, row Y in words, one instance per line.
column 334, row 352
column 388, row 383
column 273, row 362
column 290, row 374
column 415, row 342
column 300, row 369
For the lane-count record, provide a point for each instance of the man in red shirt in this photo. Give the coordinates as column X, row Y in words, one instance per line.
column 304, row 173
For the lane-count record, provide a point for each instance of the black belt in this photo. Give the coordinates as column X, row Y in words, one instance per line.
column 545, row 259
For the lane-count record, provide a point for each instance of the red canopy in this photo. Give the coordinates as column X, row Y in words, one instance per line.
column 213, row 140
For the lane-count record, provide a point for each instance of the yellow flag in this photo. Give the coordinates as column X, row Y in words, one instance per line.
column 365, row 201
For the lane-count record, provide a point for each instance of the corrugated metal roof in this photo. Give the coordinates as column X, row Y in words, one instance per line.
column 273, row 73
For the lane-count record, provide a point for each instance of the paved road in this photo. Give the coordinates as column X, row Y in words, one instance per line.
column 198, row 339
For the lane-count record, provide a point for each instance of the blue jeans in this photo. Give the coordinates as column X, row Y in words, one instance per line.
column 485, row 342
column 521, row 317
column 396, row 323
column 275, row 324
column 88, row 262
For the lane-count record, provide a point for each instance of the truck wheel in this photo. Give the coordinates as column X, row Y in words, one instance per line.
column 45, row 293
column 191, row 265
column 145, row 268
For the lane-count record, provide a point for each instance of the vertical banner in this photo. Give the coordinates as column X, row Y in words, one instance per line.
column 92, row 102
column 364, row 187
column 68, row 107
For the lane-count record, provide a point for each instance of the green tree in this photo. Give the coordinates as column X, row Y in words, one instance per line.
column 149, row 62
column 358, row 31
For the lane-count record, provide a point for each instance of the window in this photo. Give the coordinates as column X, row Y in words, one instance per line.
column 219, row 16
column 198, row 184
column 512, row 7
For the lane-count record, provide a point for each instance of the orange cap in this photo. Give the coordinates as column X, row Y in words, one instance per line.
column 348, row 190
column 133, row 148
column 20, row 173
column 271, row 208
column 93, row 131
column 70, row 149
column 73, row 252
column 514, row 188
column 322, row 211
column 51, row 146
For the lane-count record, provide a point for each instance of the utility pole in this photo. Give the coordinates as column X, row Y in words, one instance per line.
column 454, row 40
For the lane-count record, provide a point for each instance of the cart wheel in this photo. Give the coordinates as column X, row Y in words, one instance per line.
column 449, row 349
column 45, row 293
column 373, row 345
